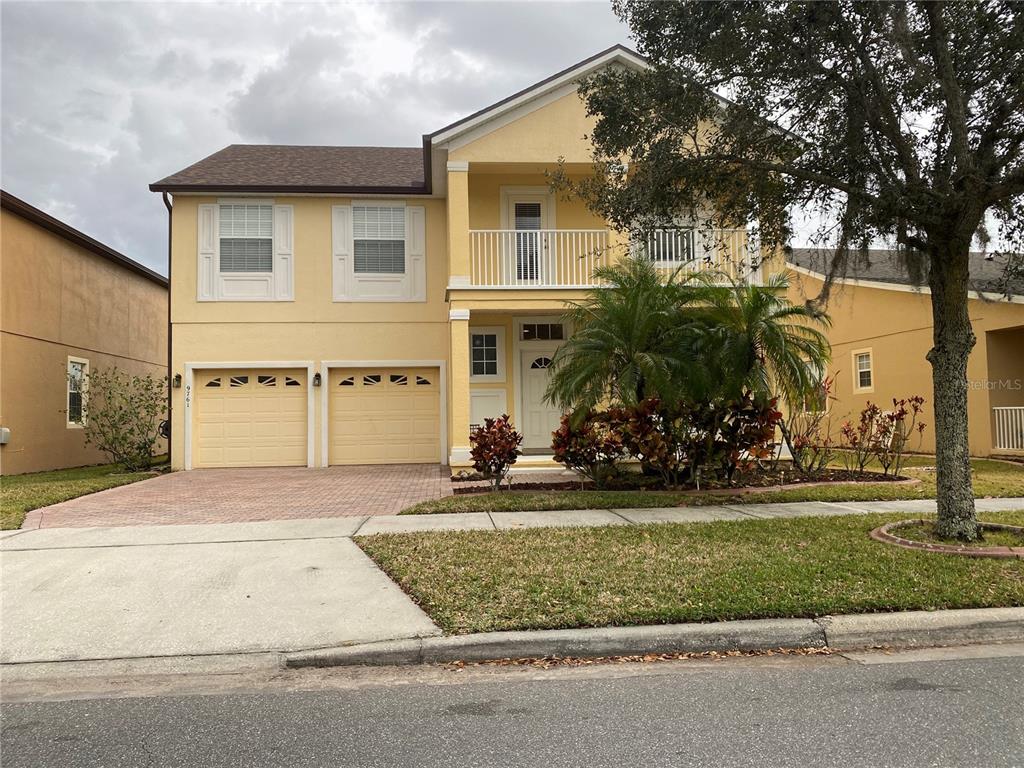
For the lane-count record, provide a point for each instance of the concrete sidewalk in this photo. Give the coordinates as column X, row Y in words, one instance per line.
column 368, row 525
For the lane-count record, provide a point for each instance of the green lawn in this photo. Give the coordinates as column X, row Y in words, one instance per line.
column 991, row 478
column 479, row 581
column 23, row 493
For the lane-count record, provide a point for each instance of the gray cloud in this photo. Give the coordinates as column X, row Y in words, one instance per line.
column 99, row 100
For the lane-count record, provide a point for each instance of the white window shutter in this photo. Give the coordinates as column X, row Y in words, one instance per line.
column 284, row 260
column 206, row 267
column 341, row 246
column 415, row 251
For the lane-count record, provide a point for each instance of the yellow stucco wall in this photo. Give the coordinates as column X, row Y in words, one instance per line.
column 60, row 300
column 313, row 328
column 543, row 136
column 896, row 326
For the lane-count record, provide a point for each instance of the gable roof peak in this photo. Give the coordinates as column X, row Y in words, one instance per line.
column 617, row 53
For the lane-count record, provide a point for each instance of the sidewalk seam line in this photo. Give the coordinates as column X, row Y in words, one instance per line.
column 359, row 527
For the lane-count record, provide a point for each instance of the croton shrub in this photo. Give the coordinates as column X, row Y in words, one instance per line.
column 495, row 448
column 680, row 442
column 591, row 444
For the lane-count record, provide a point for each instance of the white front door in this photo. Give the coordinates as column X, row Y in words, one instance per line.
column 539, row 418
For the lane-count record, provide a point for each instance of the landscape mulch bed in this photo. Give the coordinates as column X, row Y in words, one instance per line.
column 759, row 482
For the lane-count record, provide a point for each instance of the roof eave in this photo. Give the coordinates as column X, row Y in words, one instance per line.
column 214, row 189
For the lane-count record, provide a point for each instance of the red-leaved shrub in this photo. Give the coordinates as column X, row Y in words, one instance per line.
column 495, row 448
column 590, row 445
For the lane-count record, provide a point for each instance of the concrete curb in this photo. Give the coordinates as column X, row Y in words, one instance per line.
column 897, row 630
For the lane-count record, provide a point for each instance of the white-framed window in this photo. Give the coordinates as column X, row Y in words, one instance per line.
column 486, row 354
column 863, row 371
column 378, row 239
column 379, row 251
column 246, row 237
column 245, row 251
column 77, row 371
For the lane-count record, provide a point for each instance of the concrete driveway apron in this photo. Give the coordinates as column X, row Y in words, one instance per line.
column 77, row 594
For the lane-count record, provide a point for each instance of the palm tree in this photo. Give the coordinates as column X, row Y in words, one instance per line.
column 629, row 339
column 753, row 339
column 695, row 338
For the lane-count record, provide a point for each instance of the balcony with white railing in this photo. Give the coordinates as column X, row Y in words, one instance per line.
column 731, row 252
column 567, row 258
column 1009, row 428
column 540, row 258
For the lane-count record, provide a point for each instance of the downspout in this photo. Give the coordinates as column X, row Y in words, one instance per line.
column 170, row 362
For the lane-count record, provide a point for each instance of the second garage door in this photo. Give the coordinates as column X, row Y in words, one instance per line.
column 384, row 416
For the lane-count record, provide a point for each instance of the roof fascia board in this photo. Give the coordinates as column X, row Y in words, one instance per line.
column 289, row 192
column 287, row 189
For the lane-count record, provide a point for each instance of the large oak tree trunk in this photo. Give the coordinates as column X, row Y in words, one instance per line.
column 952, row 338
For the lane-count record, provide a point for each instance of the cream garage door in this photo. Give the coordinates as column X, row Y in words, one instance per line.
column 384, row 416
column 250, row 418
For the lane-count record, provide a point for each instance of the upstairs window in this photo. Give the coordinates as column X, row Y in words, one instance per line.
column 378, row 239
column 246, row 238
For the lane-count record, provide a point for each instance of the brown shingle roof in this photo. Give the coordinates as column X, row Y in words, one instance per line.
column 284, row 168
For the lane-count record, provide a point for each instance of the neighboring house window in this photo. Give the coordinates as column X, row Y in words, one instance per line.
column 487, row 354
column 863, row 371
column 247, row 238
column 78, row 369
column 378, row 239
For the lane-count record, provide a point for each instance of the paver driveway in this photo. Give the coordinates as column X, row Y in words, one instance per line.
column 251, row 495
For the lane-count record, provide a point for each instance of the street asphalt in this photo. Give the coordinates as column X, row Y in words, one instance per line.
column 955, row 707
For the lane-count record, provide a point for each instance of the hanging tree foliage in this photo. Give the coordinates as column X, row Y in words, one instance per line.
column 895, row 123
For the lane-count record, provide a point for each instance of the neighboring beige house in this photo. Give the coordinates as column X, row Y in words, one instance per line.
column 366, row 305
column 882, row 330
column 69, row 305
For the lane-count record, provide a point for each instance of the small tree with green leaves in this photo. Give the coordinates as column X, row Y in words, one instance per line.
column 122, row 415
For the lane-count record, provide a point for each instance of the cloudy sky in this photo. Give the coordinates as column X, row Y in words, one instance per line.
column 100, row 99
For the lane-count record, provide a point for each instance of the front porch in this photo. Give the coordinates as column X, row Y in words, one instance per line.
column 500, row 364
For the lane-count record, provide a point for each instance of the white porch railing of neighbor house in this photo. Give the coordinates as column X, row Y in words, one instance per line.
column 567, row 258
column 1009, row 422
column 540, row 258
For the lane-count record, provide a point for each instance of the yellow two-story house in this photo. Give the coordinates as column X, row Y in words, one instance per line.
column 368, row 305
